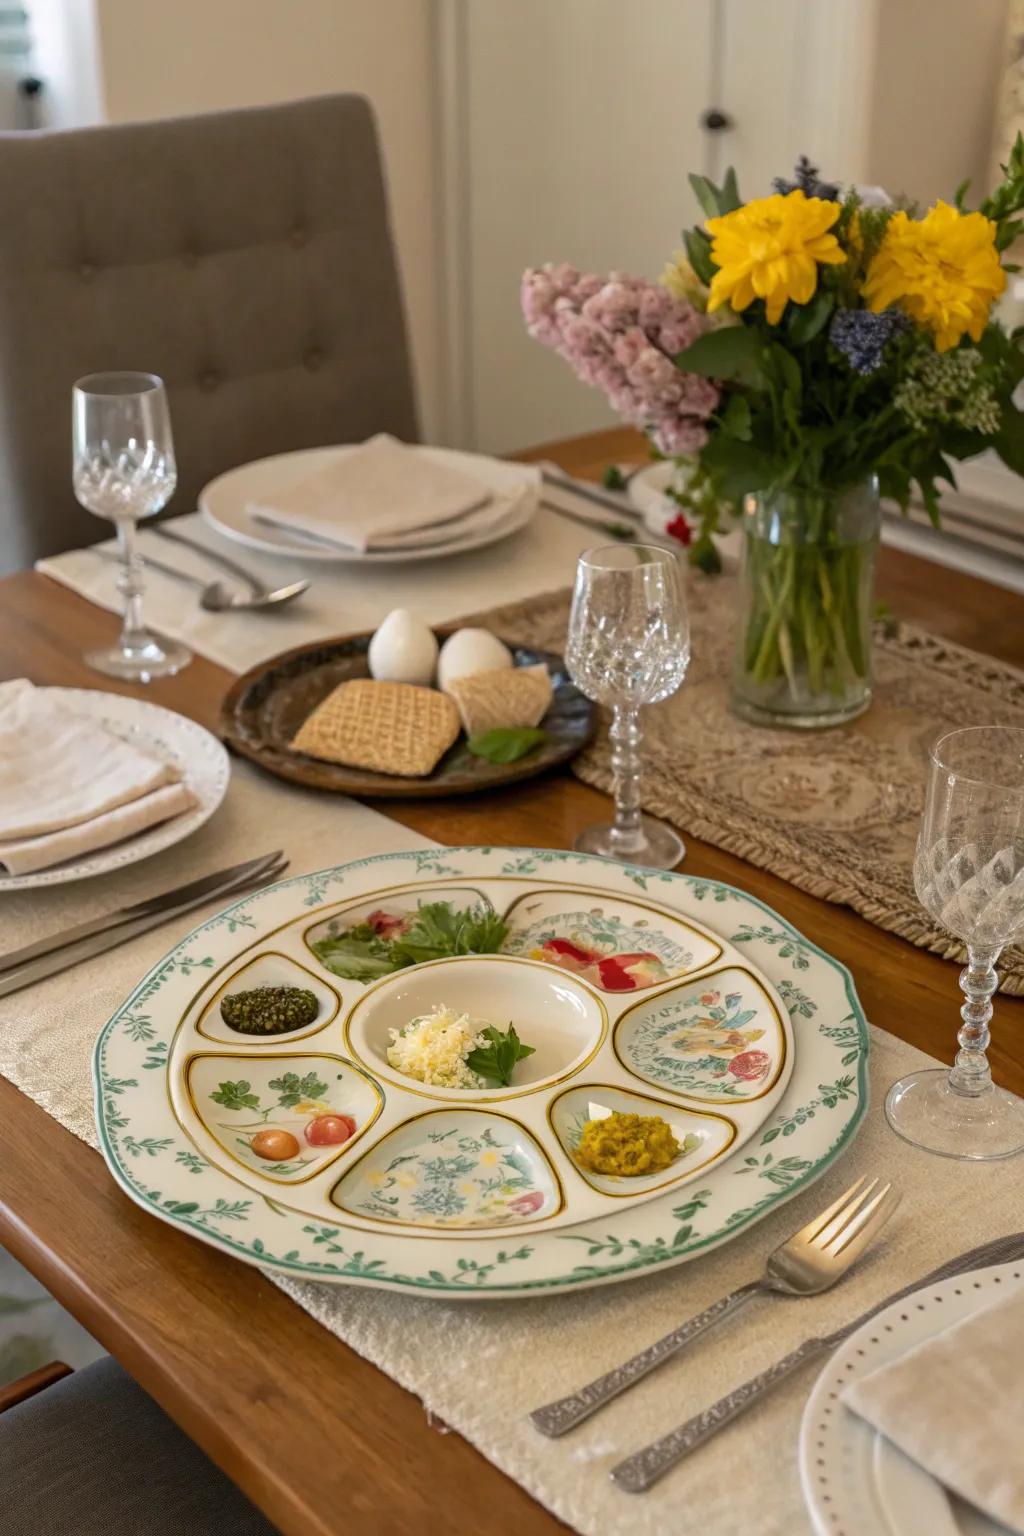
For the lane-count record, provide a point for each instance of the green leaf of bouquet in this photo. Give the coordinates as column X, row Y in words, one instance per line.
column 736, row 468
column 698, row 249
column 1009, row 440
column 707, row 195
column 506, row 744
column 805, row 321
column 703, row 553
column 729, row 197
column 729, row 353
column 736, row 418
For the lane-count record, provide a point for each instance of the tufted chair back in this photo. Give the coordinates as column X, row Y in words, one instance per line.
column 245, row 257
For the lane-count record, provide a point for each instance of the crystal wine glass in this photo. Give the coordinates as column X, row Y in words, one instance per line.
column 969, row 874
column 123, row 469
column 628, row 645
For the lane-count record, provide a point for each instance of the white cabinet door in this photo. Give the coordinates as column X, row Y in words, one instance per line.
column 579, row 123
column 572, row 128
column 795, row 79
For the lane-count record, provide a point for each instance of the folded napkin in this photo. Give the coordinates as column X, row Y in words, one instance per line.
column 59, row 769
column 955, row 1405
column 373, row 496
column 25, row 855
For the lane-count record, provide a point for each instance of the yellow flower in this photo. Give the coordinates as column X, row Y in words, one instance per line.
column 943, row 270
column 682, row 281
column 489, row 1158
column 770, row 249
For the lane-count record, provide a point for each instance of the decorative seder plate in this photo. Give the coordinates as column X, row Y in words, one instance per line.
column 477, row 1192
column 264, row 708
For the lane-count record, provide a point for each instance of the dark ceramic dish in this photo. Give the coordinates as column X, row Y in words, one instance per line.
column 263, row 710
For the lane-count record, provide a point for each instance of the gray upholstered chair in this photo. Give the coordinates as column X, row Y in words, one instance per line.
column 244, row 256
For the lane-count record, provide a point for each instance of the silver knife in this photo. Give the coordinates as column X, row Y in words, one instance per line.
column 195, row 889
column 98, row 944
column 612, row 501
column 640, row 1471
column 612, row 530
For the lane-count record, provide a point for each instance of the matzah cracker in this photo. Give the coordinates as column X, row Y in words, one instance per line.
column 502, row 699
column 389, row 727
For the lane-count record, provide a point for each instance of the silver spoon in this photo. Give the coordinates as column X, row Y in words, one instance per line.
column 215, row 597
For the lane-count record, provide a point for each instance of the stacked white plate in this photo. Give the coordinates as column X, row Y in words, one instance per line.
column 229, row 504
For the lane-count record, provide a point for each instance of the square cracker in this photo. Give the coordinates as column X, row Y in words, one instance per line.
column 504, row 698
column 388, row 727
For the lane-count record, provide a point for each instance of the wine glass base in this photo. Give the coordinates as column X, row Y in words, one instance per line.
column 927, row 1112
column 142, row 661
column 658, row 847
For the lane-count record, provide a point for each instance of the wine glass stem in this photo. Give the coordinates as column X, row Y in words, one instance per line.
column 627, row 828
column 970, row 1072
column 129, row 584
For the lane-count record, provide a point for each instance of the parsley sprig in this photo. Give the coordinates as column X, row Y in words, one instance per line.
column 497, row 1059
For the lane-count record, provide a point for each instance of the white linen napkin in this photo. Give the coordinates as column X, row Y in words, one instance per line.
column 955, row 1405
column 59, row 769
column 25, row 855
column 373, row 496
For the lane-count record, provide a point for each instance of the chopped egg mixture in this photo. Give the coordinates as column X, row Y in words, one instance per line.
column 433, row 1048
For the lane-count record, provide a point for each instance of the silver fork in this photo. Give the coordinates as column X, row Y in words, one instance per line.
column 811, row 1261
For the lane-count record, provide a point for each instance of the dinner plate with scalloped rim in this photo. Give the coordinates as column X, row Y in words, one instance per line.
column 644, row 991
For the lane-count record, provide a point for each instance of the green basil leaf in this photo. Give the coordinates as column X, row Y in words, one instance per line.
column 506, row 744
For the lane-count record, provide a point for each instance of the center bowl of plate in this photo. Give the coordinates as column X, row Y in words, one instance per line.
column 562, row 1018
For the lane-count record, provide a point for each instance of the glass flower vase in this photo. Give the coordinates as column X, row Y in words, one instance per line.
column 803, row 643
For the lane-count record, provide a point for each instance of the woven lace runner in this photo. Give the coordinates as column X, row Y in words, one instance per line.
column 834, row 812
column 480, row 1368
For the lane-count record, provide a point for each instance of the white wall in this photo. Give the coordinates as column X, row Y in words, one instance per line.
column 160, row 58
column 938, row 65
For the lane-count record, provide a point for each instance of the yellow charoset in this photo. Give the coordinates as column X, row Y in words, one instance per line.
column 943, row 270
column 770, row 249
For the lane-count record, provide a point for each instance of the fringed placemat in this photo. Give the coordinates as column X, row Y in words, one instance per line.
column 834, row 812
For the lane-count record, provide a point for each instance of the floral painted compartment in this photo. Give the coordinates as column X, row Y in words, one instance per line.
column 362, row 1137
column 313, row 1140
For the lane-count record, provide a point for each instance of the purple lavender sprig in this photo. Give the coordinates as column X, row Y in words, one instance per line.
column 806, row 180
column 862, row 337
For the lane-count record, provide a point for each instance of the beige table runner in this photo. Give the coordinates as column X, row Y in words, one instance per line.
column 342, row 599
column 834, row 812
column 480, row 1367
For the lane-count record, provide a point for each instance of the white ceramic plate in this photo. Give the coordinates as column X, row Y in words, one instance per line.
column 164, row 734
column 856, row 1482
column 743, row 1034
column 225, row 504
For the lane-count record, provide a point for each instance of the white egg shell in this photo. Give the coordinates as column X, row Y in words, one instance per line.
column 468, row 652
column 403, row 650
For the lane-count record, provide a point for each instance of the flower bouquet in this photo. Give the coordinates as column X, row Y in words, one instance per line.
column 808, row 353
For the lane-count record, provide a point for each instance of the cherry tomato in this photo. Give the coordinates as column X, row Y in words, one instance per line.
column 275, row 1146
column 329, row 1130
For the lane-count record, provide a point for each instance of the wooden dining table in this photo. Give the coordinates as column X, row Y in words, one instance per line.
column 317, row 1437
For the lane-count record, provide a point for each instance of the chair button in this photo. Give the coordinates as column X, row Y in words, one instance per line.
column 87, row 271
column 314, row 358
column 298, row 237
column 209, row 379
